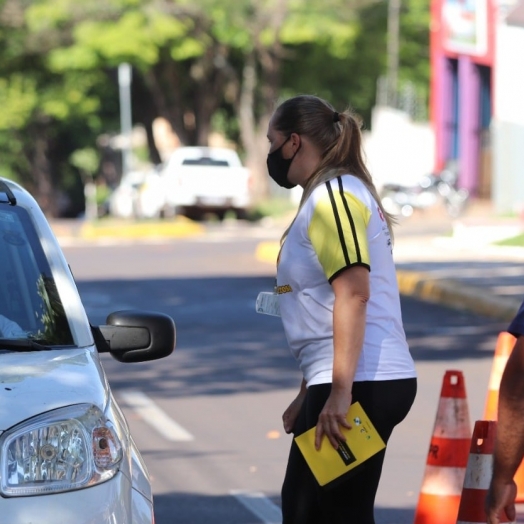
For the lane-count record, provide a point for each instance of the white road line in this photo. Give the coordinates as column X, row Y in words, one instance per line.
column 259, row 505
column 154, row 416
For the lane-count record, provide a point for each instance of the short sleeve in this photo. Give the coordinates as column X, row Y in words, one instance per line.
column 338, row 230
column 516, row 328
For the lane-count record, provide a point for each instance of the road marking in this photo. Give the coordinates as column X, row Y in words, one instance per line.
column 259, row 505
column 154, row 416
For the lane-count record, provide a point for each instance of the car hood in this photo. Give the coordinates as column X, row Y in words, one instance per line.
column 35, row 382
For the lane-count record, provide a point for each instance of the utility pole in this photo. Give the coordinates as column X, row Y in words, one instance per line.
column 393, row 51
column 124, row 84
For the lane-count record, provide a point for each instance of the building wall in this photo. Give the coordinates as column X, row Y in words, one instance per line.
column 508, row 121
column 462, row 59
column 398, row 150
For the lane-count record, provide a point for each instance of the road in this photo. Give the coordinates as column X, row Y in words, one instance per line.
column 207, row 419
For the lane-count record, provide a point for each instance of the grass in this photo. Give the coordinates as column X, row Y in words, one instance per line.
column 274, row 207
column 512, row 241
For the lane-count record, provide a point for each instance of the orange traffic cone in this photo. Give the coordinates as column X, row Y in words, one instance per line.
column 439, row 497
column 505, row 343
column 478, row 475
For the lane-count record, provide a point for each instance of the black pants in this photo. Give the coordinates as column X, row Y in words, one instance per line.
column 351, row 501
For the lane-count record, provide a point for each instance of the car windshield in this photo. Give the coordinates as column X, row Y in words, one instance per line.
column 30, row 307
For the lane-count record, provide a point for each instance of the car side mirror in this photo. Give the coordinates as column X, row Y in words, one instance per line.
column 136, row 336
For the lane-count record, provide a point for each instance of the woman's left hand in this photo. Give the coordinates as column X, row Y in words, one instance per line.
column 333, row 417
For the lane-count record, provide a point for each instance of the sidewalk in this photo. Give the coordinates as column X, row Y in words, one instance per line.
column 465, row 269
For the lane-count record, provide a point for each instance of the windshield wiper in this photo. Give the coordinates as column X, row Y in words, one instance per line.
column 22, row 344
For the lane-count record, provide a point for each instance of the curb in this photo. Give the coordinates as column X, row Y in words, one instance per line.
column 178, row 228
column 454, row 294
column 268, row 252
column 447, row 292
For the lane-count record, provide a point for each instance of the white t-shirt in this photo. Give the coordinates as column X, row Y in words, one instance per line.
column 340, row 226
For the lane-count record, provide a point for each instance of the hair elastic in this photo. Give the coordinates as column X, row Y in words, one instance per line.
column 336, row 117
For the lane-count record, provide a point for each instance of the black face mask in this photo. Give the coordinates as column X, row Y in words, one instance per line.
column 278, row 166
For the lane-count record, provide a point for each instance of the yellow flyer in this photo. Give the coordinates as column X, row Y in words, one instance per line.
column 362, row 442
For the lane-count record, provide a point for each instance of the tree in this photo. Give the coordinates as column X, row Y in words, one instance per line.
column 42, row 106
column 199, row 64
column 414, row 49
column 266, row 35
column 193, row 58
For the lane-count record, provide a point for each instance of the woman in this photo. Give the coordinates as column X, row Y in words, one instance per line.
column 339, row 303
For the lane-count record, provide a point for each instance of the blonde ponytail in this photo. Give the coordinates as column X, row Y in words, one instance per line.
column 337, row 135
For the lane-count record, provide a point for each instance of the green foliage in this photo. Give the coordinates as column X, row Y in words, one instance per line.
column 333, row 28
column 111, row 42
column 229, row 25
column 86, row 160
column 414, row 43
column 18, row 100
column 345, row 80
column 276, row 208
column 225, row 123
column 58, row 73
column 343, row 65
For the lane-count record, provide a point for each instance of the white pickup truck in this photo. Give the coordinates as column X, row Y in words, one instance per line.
column 199, row 180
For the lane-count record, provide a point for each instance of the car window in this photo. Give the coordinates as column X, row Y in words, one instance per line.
column 205, row 161
column 30, row 306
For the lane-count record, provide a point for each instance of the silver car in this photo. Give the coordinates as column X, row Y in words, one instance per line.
column 66, row 454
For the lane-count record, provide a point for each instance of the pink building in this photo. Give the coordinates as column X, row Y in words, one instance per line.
column 462, row 51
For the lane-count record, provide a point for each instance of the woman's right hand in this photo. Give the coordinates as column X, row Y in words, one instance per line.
column 290, row 415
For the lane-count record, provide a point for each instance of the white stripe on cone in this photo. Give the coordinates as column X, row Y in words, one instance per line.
column 452, row 409
column 478, row 471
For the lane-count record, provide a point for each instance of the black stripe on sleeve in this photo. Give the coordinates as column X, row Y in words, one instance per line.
column 339, row 225
column 350, row 218
column 342, row 269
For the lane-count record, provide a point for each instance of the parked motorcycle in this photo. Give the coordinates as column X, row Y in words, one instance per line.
column 432, row 189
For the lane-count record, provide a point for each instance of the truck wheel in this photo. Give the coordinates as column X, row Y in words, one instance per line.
column 241, row 214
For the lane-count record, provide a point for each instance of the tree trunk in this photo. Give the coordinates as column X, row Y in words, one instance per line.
column 260, row 90
column 42, row 181
column 254, row 133
column 188, row 97
column 251, row 133
column 154, row 153
column 163, row 83
column 145, row 112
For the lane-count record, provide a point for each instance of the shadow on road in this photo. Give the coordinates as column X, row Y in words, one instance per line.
column 225, row 347
column 179, row 508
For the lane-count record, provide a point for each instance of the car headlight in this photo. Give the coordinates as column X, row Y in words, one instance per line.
column 61, row 450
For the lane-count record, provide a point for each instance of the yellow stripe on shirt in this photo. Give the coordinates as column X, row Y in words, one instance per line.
column 338, row 230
